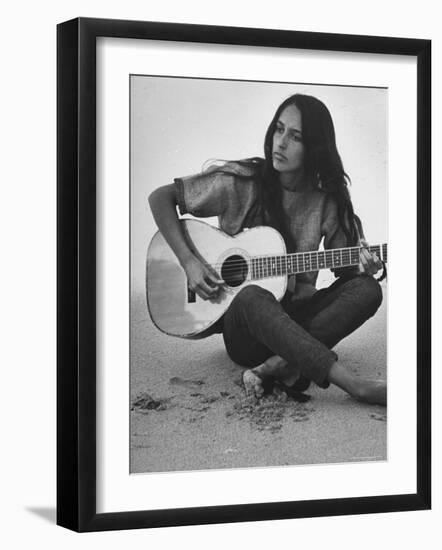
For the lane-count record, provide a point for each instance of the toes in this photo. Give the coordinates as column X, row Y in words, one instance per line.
column 374, row 392
column 252, row 384
column 258, row 389
column 247, row 379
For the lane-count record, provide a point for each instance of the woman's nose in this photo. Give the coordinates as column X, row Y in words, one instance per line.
column 282, row 141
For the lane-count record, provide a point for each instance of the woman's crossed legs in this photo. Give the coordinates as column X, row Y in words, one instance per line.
column 257, row 328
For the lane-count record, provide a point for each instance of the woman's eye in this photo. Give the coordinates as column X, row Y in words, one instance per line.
column 292, row 136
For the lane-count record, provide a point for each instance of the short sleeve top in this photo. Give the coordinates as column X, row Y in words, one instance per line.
column 232, row 194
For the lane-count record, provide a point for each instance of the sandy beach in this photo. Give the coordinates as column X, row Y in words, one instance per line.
column 189, row 411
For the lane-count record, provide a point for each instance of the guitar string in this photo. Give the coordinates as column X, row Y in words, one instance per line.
column 263, row 271
column 274, row 268
column 328, row 251
column 243, row 264
column 268, row 273
column 271, row 262
column 296, row 256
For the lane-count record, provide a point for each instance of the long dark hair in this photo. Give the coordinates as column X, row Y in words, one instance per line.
column 322, row 165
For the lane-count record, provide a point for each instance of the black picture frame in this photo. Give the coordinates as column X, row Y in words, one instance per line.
column 76, row 273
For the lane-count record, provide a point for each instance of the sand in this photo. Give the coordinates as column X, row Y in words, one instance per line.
column 189, row 411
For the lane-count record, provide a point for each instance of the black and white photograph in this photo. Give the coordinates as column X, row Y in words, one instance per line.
column 258, row 274
column 257, row 291
column 220, row 329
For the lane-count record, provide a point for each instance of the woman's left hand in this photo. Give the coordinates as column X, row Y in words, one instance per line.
column 369, row 263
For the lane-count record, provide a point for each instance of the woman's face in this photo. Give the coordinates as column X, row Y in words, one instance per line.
column 288, row 148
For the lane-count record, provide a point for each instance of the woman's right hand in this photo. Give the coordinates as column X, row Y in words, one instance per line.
column 202, row 279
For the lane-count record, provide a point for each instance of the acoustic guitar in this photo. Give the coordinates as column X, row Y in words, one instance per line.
column 254, row 256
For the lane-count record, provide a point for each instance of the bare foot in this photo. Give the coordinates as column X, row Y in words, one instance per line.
column 253, row 384
column 372, row 391
column 362, row 389
column 278, row 368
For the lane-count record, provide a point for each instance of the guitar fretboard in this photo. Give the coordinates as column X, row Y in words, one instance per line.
column 304, row 262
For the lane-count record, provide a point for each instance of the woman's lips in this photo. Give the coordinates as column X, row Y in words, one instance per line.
column 279, row 156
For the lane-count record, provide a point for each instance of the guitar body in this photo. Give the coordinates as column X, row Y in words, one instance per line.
column 177, row 311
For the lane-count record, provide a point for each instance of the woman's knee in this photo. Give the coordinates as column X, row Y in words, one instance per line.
column 252, row 294
column 369, row 292
column 252, row 300
column 246, row 310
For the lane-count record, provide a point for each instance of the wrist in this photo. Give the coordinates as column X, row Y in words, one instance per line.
column 186, row 258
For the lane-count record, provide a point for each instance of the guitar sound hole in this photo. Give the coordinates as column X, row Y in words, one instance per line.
column 234, row 270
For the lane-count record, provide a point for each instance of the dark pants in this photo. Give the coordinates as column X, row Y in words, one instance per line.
column 257, row 326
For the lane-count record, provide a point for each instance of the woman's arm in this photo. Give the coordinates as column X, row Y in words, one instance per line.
column 202, row 279
column 163, row 204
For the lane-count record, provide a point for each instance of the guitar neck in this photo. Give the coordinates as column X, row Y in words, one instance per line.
column 304, row 262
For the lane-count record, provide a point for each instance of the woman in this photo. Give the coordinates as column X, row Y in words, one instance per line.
column 300, row 188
